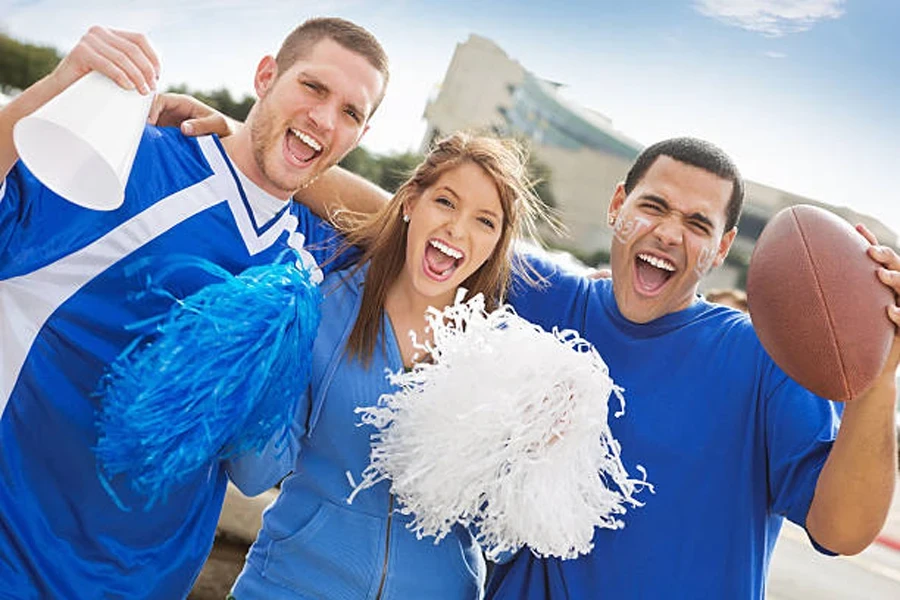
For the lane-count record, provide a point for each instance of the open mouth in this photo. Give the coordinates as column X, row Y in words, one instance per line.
column 441, row 259
column 302, row 147
column 652, row 272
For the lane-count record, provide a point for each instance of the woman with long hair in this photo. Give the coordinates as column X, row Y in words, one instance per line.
column 450, row 225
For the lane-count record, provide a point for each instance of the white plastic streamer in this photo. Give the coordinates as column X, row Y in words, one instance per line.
column 505, row 430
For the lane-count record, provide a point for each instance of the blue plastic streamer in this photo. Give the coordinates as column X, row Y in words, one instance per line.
column 220, row 374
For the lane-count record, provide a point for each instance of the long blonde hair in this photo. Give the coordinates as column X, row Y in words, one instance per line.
column 383, row 235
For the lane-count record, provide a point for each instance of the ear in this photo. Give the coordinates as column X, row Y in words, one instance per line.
column 724, row 247
column 409, row 202
column 615, row 204
column 266, row 74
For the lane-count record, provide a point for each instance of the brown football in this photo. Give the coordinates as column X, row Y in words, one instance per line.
column 816, row 302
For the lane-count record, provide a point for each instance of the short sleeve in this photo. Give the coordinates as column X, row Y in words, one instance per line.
column 324, row 243
column 15, row 190
column 559, row 299
column 800, row 430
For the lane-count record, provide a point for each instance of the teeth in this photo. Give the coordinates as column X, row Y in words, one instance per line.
column 659, row 263
column 451, row 252
column 306, row 139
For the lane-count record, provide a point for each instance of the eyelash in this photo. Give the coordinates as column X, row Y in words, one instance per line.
column 483, row 220
column 699, row 227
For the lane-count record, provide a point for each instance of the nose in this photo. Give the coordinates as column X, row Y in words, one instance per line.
column 669, row 232
column 455, row 228
column 322, row 116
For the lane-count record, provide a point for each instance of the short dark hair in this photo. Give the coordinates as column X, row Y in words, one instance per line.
column 697, row 153
column 351, row 36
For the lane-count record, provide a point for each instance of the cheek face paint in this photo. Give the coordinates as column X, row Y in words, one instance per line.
column 626, row 228
column 705, row 260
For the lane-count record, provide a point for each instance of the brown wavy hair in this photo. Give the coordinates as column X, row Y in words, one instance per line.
column 383, row 235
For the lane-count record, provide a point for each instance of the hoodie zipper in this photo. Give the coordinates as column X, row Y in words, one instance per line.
column 387, row 547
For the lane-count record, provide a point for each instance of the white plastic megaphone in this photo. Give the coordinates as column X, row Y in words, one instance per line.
column 82, row 143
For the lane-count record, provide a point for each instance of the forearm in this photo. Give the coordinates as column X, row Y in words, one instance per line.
column 854, row 491
column 338, row 189
column 23, row 105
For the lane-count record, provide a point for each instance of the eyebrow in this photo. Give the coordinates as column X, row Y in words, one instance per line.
column 486, row 211
column 697, row 216
column 364, row 115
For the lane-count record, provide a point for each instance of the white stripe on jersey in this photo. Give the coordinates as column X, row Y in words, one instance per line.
column 28, row 301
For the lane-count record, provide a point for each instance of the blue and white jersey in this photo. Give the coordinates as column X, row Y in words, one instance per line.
column 71, row 282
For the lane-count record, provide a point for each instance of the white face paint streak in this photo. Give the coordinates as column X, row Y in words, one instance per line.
column 625, row 229
column 705, row 260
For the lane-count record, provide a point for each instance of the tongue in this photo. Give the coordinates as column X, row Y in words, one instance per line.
column 651, row 278
column 437, row 260
column 298, row 148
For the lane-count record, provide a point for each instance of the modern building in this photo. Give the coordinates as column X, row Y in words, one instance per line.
column 484, row 89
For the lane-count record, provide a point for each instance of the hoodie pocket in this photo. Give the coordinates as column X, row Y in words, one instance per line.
column 334, row 555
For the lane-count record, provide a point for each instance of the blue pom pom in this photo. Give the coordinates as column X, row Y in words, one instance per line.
column 219, row 376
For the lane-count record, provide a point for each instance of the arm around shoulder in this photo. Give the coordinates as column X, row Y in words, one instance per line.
column 338, row 189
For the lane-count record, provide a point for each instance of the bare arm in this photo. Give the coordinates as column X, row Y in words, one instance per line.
column 854, row 491
column 339, row 189
column 124, row 57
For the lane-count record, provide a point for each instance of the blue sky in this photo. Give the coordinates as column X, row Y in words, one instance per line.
column 803, row 93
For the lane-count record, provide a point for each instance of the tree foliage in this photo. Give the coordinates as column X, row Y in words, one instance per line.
column 219, row 99
column 385, row 170
column 23, row 64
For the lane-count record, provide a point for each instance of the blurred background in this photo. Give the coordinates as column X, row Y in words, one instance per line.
column 801, row 93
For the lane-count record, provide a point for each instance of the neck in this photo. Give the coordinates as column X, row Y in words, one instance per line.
column 406, row 309
column 239, row 148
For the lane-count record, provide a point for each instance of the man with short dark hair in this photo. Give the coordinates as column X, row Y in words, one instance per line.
column 71, row 283
column 730, row 443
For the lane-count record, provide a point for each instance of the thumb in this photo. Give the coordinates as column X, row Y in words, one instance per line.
column 215, row 123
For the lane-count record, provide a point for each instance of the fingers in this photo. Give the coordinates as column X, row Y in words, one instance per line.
column 894, row 314
column 890, row 278
column 129, row 54
column 156, row 108
column 126, row 58
column 600, row 274
column 870, row 237
column 885, row 256
column 142, row 45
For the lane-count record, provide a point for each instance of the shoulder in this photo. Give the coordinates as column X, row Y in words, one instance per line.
column 734, row 339
column 341, row 290
column 166, row 152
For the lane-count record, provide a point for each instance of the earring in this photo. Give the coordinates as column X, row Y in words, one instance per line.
column 406, row 218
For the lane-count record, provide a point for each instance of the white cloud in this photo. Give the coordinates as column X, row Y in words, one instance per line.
column 771, row 18
column 774, row 54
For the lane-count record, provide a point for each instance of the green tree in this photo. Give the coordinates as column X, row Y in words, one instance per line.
column 22, row 64
column 396, row 168
column 387, row 171
column 219, row 99
column 363, row 163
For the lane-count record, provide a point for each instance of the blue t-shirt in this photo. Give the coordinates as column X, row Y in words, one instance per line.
column 66, row 298
column 730, row 443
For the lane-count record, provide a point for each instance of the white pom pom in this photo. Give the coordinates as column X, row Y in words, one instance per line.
column 506, row 430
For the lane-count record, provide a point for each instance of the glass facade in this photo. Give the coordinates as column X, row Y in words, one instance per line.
column 539, row 114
